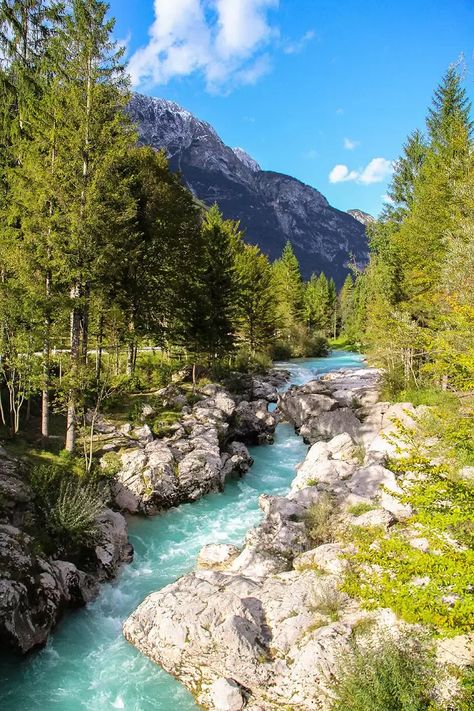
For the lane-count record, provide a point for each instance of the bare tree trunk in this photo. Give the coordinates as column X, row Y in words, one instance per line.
column 131, row 358
column 100, row 342
column 117, row 357
column 71, row 424
column 45, row 404
column 85, row 322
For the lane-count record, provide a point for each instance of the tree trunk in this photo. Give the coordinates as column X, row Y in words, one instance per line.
column 75, row 353
column 131, row 358
column 100, row 340
column 46, row 370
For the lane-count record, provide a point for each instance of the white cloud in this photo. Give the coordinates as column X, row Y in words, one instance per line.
column 376, row 171
column 387, row 199
column 341, row 173
column 222, row 39
column 349, row 144
column 298, row 46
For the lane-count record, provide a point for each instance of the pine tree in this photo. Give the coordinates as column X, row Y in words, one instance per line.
column 208, row 322
column 406, row 173
column 320, row 304
column 91, row 92
column 289, row 290
column 346, row 303
column 256, row 300
column 451, row 108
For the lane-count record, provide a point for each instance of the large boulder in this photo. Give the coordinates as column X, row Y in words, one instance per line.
column 33, row 591
column 252, row 423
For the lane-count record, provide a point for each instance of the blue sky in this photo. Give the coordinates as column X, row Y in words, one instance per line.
column 324, row 90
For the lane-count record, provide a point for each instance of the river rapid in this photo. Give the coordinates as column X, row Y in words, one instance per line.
column 87, row 664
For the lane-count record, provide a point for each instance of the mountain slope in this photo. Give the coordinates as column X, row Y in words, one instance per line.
column 272, row 207
column 361, row 216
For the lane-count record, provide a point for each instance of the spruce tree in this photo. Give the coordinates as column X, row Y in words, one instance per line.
column 256, row 300
column 209, row 317
column 289, row 290
column 91, row 93
column 451, row 108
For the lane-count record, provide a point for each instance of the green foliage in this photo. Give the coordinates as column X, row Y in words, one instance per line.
column 256, row 302
column 418, row 285
column 68, row 506
column 289, row 290
column 430, row 396
column 389, row 674
column 245, row 361
column 73, row 514
column 362, row 508
column 434, row 586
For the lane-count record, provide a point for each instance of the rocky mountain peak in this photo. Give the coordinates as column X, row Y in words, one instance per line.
column 272, row 207
column 364, row 217
column 246, row 159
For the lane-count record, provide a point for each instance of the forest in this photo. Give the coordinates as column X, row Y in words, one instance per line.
column 110, row 269
column 115, row 281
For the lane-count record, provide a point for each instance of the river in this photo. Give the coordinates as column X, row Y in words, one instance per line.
column 87, row 664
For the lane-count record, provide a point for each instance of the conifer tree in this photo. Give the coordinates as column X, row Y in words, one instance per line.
column 209, row 316
column 346, row 302
column 256, row 300
column 451, row 108
column 289, row 290
column 92, row 127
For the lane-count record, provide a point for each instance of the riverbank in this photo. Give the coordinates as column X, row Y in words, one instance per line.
column 87, row 658
column 151, row 473
column 266, row 627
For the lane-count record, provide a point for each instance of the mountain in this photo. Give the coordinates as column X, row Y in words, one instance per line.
column 271, row 207
column 361, row 216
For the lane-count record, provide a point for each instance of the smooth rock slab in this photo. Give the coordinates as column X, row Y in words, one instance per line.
column 225, row 695
column 217, row 555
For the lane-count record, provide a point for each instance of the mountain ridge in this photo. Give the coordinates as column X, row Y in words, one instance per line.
column 272, row 207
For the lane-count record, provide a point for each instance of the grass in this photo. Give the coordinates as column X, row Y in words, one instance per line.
column 362, row 508
column 430, row 396
column 343, row 343
column 329, row 601
column 320, row 519
column 387, row 675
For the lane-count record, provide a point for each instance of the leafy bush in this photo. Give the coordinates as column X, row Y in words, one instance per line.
column 301, row 343
column 434, row 586
column 281, row 350
column 385, row 674
column 154, row 370
column 246, row 362
column 320, row 519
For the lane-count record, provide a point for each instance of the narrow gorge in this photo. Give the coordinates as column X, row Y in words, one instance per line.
column 86, row 662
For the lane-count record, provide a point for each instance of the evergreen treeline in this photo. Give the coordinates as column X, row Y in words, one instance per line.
column 413, row 307
column 103, row 250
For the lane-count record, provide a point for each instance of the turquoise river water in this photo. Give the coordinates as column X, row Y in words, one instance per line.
column 87, row 664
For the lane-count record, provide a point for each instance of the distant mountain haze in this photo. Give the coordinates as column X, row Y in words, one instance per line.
column 271, row 207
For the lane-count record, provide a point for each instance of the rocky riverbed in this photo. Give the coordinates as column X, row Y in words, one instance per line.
column 152, row 473
column 265, row 627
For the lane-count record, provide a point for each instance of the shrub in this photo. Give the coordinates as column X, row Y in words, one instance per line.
column 281, row 350
column 320, row 519
column 246, row 362
column 73, row 515
column 386, row 674
column 67, row 506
